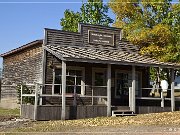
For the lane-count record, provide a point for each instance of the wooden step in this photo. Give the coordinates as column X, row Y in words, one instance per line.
column 116, row 113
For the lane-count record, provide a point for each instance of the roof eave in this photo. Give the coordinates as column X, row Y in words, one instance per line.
column 22, row 48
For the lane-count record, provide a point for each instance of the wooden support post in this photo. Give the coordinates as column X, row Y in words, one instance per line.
column 133, row 107
column 130, row 97
column 40, row 97
column 109, row 90
column 21, row 99
column 35, row 102
column 92, row 95
column 74, row 95
column 43, row 74
column 63, row 112
column 53, row 81
column 172, row 91
column 162, row 99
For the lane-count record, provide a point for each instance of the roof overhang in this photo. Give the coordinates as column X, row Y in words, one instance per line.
column 82, row 54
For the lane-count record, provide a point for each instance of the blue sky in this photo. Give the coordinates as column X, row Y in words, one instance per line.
column 24, row 21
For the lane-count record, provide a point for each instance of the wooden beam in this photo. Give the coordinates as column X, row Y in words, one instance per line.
column 133, row 107
column 36, row 102
column 53, row 82
column 21, row 100
column 63, row 112
column 43, row 73
column 109, row 90
column 162, row 99
column 130, row 97
column 172, row 91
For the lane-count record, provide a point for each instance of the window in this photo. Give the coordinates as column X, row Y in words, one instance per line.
column 57, row 87
column 99, row 77
column 124, row 81
column 74, row 81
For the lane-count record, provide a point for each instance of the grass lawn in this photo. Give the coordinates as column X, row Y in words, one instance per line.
column 9, row 112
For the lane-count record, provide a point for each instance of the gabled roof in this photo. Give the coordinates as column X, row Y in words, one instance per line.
column 33, row 43
column 106, row 56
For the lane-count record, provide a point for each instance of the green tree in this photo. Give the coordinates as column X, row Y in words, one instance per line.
column 70, row 20
column 92, row 12
column 153, row 25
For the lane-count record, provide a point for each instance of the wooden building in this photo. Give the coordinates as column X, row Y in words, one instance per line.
column 91, row 73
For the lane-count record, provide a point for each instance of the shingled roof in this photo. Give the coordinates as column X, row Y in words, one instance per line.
column 106, row 56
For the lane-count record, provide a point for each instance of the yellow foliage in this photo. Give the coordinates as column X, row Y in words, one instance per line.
column 152, row 50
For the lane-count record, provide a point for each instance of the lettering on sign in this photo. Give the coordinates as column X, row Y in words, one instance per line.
column 96, row 37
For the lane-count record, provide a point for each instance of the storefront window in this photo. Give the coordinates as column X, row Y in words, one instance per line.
column 74, row 80
column 124, row 81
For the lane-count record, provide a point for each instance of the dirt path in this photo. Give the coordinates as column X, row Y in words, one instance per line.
column 120, row 130
column 131, row 130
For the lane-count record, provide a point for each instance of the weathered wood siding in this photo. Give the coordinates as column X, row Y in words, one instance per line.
column 59, row 37
column 27, row 111
column 151, row 109
column 24, row 66
column 47, row 112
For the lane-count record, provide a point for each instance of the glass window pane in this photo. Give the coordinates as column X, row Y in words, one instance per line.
column 78, row 89
column 58, row 71
column 69, row 89
column 57, row 79
column 72, row 72
column 99, row 79
column 78, row 72
column 78, row 80
column 70, row 80
column 57, row 89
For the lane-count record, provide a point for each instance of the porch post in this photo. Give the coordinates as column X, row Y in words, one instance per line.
column 172, row 91
column 109, row 90
column 133, row 107
column 63, row 111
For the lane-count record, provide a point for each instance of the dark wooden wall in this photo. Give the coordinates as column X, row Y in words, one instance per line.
column 59, row 37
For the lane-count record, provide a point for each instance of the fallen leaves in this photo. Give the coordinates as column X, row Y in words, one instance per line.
column 167, row 118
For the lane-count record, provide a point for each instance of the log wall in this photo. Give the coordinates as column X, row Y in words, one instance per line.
column 22, row 67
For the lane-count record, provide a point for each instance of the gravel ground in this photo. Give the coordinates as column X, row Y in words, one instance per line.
column 10, row 122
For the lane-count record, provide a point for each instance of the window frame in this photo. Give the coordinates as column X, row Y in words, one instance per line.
column 100, row 70
column 139, row 91
column 82, row 80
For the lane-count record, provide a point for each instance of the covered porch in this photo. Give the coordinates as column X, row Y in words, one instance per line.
column 93, row 86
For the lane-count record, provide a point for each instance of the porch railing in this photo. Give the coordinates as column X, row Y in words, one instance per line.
column 37, row 93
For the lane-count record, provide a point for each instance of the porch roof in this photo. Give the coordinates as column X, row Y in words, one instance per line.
column 105, row 56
